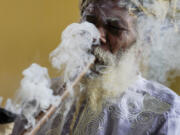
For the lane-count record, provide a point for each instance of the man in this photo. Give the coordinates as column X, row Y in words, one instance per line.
column 116, row 99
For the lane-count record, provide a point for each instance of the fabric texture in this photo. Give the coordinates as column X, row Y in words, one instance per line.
column 147, row 108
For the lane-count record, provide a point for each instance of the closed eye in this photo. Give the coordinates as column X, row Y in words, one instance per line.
column 116, row 27
column 115, row 24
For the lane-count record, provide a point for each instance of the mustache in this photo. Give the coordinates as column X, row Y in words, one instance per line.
column 103, row 57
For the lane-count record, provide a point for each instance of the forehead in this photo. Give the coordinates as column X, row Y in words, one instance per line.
column 108, row 9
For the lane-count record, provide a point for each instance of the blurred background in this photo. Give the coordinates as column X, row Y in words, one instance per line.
column 29, row 31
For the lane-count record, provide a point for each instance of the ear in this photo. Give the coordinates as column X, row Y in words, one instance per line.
column 6, row 116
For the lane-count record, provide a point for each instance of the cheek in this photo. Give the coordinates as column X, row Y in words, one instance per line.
column 117, row 42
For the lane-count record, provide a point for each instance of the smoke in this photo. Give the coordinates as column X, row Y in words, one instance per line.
column 158, row 29
column 160, row 43
column 71, row 56
column 34, row 94
column 36, row 86
column 12, row 107
column 74, row 52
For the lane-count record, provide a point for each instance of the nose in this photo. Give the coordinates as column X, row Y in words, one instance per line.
column 103, row 34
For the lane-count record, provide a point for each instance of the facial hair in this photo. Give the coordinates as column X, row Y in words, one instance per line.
column 120, row 73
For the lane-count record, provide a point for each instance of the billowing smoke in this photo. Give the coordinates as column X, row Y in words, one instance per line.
column 158, row 29
column 161, row 48
column 36, row 86
column 34, row 94
column 71, row 56
column 74, row 52
column 12, row 107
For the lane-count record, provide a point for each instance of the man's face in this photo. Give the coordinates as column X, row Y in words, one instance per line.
column 116, row 25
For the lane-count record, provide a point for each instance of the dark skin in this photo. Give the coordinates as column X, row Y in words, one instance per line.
column 116, row 25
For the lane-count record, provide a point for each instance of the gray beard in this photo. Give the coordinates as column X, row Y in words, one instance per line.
column 105, row 57
column 116, row 77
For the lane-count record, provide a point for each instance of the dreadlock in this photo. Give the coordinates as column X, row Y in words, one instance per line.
column 134, row 6
column 129, row 4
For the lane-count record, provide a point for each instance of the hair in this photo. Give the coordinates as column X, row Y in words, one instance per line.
column 128, row 4
column 136, row 7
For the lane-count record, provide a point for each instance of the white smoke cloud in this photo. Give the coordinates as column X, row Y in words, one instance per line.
column 11, row 107
column 35, row 94
column 160, row 40
column 36, row 86
column 73, row 53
